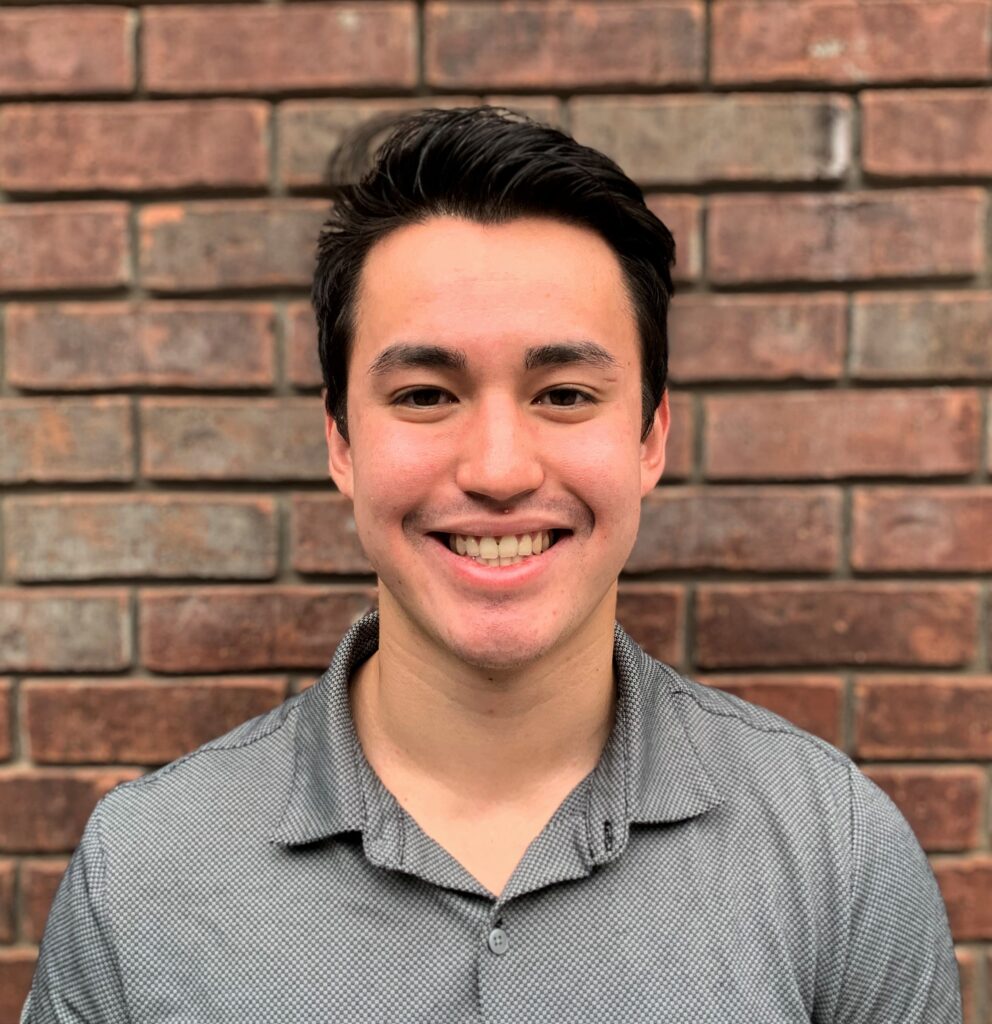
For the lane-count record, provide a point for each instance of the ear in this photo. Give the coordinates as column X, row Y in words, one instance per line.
column 653, row 447
column 339, row 457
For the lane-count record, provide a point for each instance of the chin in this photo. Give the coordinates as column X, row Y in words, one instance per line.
column 499, row 646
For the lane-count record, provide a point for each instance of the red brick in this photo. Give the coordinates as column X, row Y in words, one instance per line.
column 924, row 717
column 932, row 529
column 654, row 616
column 309, row 130
column 46, row 810
column 827, row 435
column 76, row 346
column 64, row 630
column 217, row 629
column 138, row 721
column 133, row 147
column 6, row 719
column 302, row 362
column 49, row 246
column 841, row 41
column 233, row 439
column 65, row 50
column 554, row 44
column 67, row 439
column 16, row 971
column 39, row 882
column 765, row 529
column 205, row 49
column 245, row 243
column 927, row 133
column 967, row 964
column 686, row 140
column 835, row 623
column 922, row 336
column 965, row 884
column 757, row 337
column 813, row 703
column 323, row 536
column 898, row 233
column 943, row 804
column 679, row 452
column 7, row 924
column 682, row 216
column 99, row 536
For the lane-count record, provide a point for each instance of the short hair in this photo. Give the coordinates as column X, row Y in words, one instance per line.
column 489, row 165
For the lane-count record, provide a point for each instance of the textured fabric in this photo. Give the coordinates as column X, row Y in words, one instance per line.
column 718, row 865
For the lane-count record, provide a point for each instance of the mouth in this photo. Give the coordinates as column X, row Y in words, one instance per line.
column 494, row 552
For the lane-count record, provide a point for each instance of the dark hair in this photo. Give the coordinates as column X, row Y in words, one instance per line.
column 490, row 165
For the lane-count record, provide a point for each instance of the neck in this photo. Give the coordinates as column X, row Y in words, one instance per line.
column 478, row 737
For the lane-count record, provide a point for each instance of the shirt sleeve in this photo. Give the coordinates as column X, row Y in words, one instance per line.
column 78, row 978
column 900, row 963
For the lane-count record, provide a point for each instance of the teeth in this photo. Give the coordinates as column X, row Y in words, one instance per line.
column 496, row 551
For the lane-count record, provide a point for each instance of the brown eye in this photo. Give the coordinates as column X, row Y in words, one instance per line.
column 422, row 398
column 567, row 397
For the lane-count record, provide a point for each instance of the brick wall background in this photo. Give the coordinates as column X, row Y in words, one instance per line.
column 174, row 561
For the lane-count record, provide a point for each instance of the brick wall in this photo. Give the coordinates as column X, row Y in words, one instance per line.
column 173, row 559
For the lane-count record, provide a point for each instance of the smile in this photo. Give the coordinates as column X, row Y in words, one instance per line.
column 501, row 551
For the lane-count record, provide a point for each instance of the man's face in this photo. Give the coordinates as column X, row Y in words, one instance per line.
column 494, row 389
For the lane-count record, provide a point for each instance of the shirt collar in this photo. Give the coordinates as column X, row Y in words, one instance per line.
column 649, row 772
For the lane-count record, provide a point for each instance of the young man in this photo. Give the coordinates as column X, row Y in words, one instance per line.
column 494, row 806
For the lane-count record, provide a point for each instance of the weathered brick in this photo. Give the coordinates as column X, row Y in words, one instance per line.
column 64, row 50
column 898, row 233
column 654, row 616
column 204, row 49
column 941, row 529
column 67, row 439
column 45, row 811
column 309, row 130
column 50, row 246
column 682, row 216
column 217, row 629
column 6, row 703
column 138, row 721
column 134, row 147
column 233, row 439
column 99, row 536
column 965, row 884
column 685, row 140
column 248, row 243
column 967, row 964
column 832, row 434
column 554, row 44
column 7, row 925
column 765, row 529
column 76, row 346
column 921, row 335
column 679, row 457
column 925, row 716
column 64, row 630
column 835, row 623
column 39, row 882
column 17, row 966
column 927, row 133
column 942, row 803
column 302, row 362
column 757, row 337
column 841, row 41
column 323, row 536
column 812, row 702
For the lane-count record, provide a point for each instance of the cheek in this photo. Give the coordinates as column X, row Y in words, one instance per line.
column 394, row 471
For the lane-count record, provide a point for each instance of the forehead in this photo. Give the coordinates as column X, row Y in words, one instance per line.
column 528, row 281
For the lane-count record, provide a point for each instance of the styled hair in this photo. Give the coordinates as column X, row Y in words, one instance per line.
column 489, row 165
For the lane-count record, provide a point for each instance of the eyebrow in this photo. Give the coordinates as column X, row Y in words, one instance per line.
column 404, row 355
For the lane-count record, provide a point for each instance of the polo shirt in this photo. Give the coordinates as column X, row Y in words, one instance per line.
column 718, row 864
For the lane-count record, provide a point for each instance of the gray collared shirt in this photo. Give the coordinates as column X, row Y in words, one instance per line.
column 718, row 865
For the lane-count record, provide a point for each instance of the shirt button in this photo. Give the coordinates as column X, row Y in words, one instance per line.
column 498, row 942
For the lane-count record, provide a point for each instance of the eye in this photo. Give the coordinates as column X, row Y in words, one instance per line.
column 422, row 398
column 566, row 397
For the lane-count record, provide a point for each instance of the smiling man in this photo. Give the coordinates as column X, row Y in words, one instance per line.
column 494, row 806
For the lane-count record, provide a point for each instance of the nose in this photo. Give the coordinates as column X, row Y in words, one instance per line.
column 499, row 456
